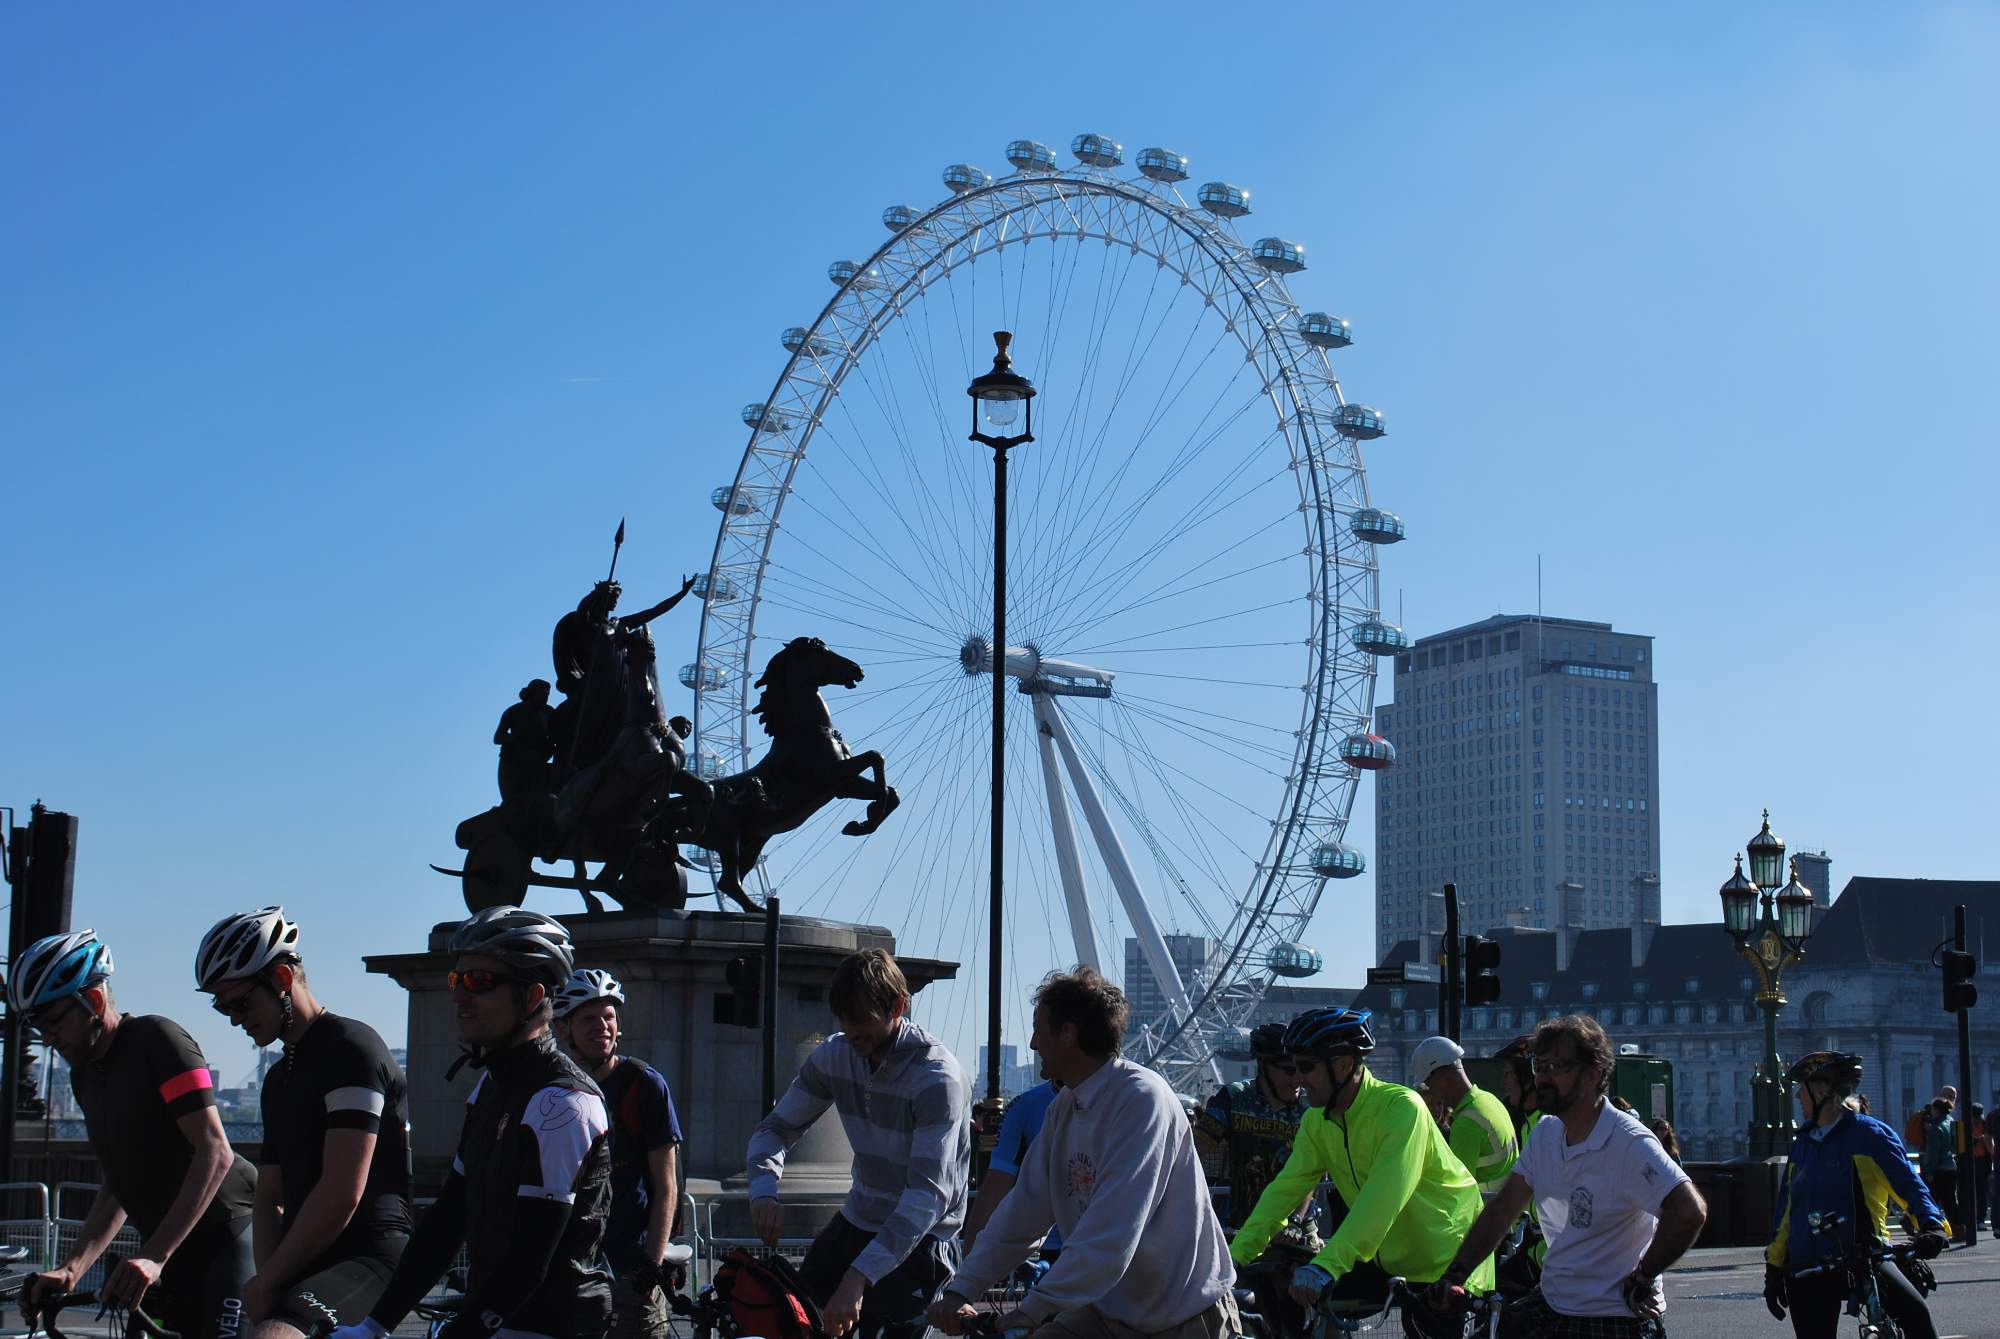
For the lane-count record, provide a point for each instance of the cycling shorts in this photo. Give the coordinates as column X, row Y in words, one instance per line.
column 200, row 1292
column 341, row 1294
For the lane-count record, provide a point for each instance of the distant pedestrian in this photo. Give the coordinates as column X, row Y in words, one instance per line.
column 1664, row 1132
column 1941, row 1158
column 1981, row 1137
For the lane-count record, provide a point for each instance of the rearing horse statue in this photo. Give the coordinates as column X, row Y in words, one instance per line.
column 808, row 766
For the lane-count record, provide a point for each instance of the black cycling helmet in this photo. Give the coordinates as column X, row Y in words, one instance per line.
column 1519, row 1055
column 1267, row 1041
column 1325, row 1033
column 1838, row 1068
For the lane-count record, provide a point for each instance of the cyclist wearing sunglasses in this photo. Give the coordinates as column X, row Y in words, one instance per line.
column 1409, row 1200
column 333, row 1181
column 1253, row 1123
column 148, row 1102
column 530, row 1188
column 1617, row 1210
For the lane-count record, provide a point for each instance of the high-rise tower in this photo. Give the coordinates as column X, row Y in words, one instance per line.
column 1526, row 759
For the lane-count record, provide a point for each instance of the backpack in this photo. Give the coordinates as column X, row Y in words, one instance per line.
column 1913, row 1131
column 766, row 1297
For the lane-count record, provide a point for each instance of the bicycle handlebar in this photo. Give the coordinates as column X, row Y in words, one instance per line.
column 41, row 1316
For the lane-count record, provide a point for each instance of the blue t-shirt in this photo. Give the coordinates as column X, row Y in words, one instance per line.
column 1018, row 1129
column 643, row 1121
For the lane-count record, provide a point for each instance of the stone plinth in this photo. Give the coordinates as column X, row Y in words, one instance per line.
column 672, row 966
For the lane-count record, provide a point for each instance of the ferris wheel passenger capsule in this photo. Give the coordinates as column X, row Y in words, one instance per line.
column 705, row 763
column 733, row 501
column 900, row 218
column 1325, row 332
column 1224, row 200
column 703, row 678
column 1163, row 165
column 1380, row 639
column 798, row 339
column 702, row 858
column 1337, row 860
column 846, row 272
column 714, row 587
column 1278, row 255
column 1097, row 150
column 1296, row 960
column 768, row 418
column 1364, row 423
column 1378, row 526
column 963, row 177
column 1370, row 753
column 1030, row 155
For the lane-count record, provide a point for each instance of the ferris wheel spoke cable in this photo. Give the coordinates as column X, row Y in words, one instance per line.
column 1194, row 819
column 807, row 585
column 1128, row 647
column 867, row 545
column 867, row 463
column 886, row 493
column 1102, row 612
column 1104, row 544
column 1170, row 589
column 1166, row 717
column 1137, row 819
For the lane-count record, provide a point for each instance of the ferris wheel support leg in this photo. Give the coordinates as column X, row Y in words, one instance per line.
column 1151, row 942
column 1069, row 859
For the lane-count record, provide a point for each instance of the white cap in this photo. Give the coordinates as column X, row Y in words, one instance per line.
column 1431, row 1055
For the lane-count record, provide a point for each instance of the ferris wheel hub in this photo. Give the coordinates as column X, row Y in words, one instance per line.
column 1038, row 673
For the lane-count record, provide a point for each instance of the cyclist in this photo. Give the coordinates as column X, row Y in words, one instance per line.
column 1018, row 1128
column 1616, row 1208
column 645, row 1141
column 901, row 1097
column 333, row 1183
column 1115, row 1168
column 1254, row 1122
column 528, row 1192
column 1409, row 1200
column 1482, row 1133
column 1522, row 1270
column 148, row 1102
column 1844, row 1163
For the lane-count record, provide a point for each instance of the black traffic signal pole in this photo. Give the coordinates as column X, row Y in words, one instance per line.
column 1968, row 1169
column 1453, row 981
column 770, row 1010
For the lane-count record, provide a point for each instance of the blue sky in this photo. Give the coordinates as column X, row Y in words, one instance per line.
column 336, row 341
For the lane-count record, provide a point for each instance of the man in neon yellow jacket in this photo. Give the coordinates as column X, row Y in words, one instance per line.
column 1410, row 1200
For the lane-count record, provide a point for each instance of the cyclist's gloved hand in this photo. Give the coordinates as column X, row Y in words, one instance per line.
column 1929, row 1244
column 1308, row 1282
column 366, row 1328
column 1777, row 1296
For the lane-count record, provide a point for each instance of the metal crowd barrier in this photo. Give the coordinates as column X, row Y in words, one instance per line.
column 67, row 1228
column 25, row 1205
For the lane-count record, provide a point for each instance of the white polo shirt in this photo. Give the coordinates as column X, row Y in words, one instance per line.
column 1599, row 1202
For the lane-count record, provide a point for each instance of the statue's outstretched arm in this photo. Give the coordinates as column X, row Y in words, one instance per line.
column 645, row 616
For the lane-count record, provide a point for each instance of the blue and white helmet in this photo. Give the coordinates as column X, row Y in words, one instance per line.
column 1329, row 1032
column 56, row 967
column 587, row 985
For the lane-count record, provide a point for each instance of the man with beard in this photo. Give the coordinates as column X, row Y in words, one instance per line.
column 148, row 1102
column 1615, row 1208
column 645, row 1140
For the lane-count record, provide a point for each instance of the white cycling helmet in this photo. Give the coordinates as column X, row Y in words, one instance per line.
column 241, row 946
column 535, row 945
column 587, row 985
column 1431, row 1055
column 56, row 967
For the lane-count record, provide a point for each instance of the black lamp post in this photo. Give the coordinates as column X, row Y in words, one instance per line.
column 1770, row 926
column 999, row 397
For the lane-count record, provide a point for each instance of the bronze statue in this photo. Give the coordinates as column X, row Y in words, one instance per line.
column 583, row 651
column 808, row 766
column 527, row 742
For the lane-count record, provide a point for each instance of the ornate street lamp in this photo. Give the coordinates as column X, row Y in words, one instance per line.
column 1770, row 927
column 999, row 397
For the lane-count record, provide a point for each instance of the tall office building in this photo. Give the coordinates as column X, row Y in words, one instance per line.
column 1526, row 773
column 1190, row 955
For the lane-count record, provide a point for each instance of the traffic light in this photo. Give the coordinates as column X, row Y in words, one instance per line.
column 745, row 975
column 1482, row 965
column 1959, row 992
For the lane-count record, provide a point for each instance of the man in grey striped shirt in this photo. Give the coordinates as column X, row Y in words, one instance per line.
column 902, row 1100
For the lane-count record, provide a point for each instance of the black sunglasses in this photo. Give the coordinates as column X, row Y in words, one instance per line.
column 233, row 1009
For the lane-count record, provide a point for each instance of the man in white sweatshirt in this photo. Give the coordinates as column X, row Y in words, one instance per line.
column 1115, row 1170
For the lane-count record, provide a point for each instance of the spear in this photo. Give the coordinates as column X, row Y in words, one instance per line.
column 617, row 543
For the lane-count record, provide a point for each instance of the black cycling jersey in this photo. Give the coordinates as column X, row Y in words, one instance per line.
column 535, row 1128
column 339, row 1076
column 132, row 1098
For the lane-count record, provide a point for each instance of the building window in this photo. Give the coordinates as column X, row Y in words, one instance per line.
column 1590, row 990
column 1693, row 985
column 1538, row 990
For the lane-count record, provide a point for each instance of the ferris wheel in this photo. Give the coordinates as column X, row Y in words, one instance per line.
column 1193, row 605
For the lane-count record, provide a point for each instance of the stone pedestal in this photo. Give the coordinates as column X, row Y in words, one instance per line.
column 672, row 967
